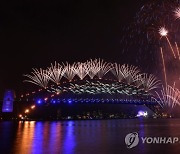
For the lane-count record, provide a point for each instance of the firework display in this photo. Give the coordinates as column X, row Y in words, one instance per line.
column 155, row 31
column 39, row 77
column 177, row 13
column 155, row 27
column 55, row 73
column 125, row 78
column 168, row 97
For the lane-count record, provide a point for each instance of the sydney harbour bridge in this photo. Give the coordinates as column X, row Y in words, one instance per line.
column 91, row 82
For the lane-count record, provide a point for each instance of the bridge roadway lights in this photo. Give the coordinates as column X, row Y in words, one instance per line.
column 99, row 101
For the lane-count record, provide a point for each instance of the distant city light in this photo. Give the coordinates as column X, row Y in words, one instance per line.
column 33, row 106
column 57, row 93
column 27, row 111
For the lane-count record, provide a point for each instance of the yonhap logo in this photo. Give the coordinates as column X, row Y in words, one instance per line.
column 132, row 140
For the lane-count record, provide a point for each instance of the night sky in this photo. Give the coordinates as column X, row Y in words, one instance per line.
column 35, row 33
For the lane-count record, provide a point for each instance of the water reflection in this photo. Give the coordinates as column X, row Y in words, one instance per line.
column 55, row 140
column 90, row 137
column 7, row 136
column 69, row 141
column 25, row 135
column 44, row 137
column 37, row 142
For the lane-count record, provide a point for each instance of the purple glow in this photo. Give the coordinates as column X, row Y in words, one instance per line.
column 142, row 114
column 8, row 101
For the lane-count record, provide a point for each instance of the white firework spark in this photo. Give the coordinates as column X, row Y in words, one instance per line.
column 55, row 73
column 39, row 77
column 81, row 69
column 150, row 82
column 69, row 71
column 117, row 71
column 177, row 13
column 130, row 73
column 93, row 67
column 138, row 80
column 168, row 97
column 163, row 31
column 104, row 68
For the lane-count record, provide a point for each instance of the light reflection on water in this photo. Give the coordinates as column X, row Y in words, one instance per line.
column 44, row 137
column 91, row 137
column 69, row 141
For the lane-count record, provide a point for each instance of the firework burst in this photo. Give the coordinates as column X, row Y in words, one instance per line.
column 150, row 82
column 125, row 72
column 130, row 73
column 69, row 71
column 177, row 13
column 117, row 71
column 168, row 97
column 142, row 33
column 39, row 77
column 138, row 81
column 82, row 69
column 55, row 73
column 94, row 67
column 163, row 31
column 104, row 68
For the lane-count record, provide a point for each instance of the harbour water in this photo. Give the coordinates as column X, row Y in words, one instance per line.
column 86, row 137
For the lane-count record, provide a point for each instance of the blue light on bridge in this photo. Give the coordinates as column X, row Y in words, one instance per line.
column 93, row 100
column 39, row 101
column 69, row 101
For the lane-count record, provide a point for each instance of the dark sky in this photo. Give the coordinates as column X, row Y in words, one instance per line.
column 34, row 33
